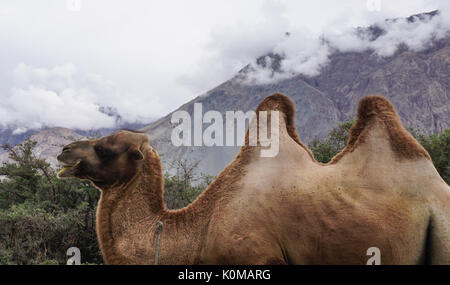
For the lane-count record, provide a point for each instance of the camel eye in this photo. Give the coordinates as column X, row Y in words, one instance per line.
column 103, row 152
column 99, row 150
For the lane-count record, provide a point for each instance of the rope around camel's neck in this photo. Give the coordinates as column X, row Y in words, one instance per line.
column 159, row 229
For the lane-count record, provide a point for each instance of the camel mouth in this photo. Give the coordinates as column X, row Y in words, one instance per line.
column 68, row 170
column 65, row 164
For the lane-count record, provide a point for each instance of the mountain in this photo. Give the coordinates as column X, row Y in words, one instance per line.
column 9, row 136
column 51, row 140
column 13, row 135
column 416, row 82
column 49, row 144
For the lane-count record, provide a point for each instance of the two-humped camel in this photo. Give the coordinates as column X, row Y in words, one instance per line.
column 381, row 191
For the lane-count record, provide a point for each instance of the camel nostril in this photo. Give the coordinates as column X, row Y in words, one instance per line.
column 65, row 149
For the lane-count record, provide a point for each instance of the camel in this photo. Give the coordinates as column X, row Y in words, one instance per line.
column 381, row 191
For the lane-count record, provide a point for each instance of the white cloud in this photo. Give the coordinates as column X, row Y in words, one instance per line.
column 231, row 47
column 305, row 54
column 416, row 36
column 144, row 59
column 63, row 96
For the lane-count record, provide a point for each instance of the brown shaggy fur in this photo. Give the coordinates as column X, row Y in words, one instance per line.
column 287, row 209
column 377, row 108
column 283, row 104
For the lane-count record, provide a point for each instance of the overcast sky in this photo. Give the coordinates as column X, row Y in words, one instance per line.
column 146, row 58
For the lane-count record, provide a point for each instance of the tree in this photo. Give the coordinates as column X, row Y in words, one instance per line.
column 325, row 150
column 185, row 185
column 42, row 216
column 438, row 146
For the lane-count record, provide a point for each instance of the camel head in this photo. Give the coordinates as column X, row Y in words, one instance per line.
column 110, row 160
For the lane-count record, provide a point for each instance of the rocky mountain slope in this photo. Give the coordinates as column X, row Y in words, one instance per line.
column 9, row 136
column 417, row 83
column 49, row 144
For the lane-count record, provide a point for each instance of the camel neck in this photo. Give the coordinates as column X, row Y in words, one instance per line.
column 127, row 220
column 127, row 211
column 150, row 183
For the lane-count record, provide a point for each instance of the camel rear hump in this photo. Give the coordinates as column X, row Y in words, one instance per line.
column 375, row 111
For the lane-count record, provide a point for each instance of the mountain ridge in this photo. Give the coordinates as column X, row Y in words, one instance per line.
column 49, row 143
column 416, row 82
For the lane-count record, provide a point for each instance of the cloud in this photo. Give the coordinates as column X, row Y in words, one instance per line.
column 143, row 59
column 231, row 47
column 416, row 35
column 304, row 53
column 307, row 60
column 63, row 96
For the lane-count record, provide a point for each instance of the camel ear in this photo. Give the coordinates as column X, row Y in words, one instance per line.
column 136, row 154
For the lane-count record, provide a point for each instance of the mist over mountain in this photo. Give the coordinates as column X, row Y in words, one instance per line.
column 407, row 60
column 416, row 80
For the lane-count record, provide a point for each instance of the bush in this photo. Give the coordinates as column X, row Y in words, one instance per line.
column 185, row 185
column 438, row 146
column 325, row 150
column 42, row 216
